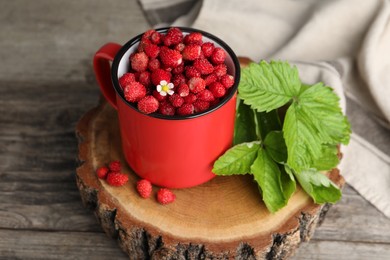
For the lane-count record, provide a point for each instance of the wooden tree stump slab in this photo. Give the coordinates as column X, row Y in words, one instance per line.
column 224, row 218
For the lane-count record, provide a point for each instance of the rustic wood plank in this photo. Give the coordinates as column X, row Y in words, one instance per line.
column 57, row 245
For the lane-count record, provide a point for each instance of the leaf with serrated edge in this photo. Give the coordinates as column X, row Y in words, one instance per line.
column 267, row 175
column 318, row 186
column 237, row 160
column 267, row 86
column 276, row 146
column 245, row 125
column 328, row 159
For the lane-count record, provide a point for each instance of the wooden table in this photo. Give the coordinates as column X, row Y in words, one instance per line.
column 46, row 84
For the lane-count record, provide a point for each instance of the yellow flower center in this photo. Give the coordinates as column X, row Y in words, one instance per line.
column 165, row 88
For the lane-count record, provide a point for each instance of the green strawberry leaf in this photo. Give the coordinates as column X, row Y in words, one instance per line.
column 245, row 125
column 267, row 122
column 267, row 86
column 328, row 159
column 318, row 186
column 276, row 146
column 237, row 160
column 267, row 174
column 288, row 182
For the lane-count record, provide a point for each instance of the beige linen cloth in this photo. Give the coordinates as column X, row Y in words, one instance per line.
column 345, row 44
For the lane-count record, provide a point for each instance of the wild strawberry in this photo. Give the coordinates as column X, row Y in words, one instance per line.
column 205, row 95
column 180, row 47
column 196, row 85
column 152, row 50
column 159, row 75
column 191, row 52
column 193, row 38
column 218, row 56
column 176, row 100
column 220, row 70
column 178, row 79
column 210, row 79
column 179, row 69
column 147, row 35
column 117, row 179
column 144, row 188
column 167, row 109
column 153, row 64
column 156, row 37
column 204, row 66
column 142, row 44
column 148, row 104
column 139, row 61
column 134, row 92
column 227, row 81
column 159, row 97
column 183, row 90
column 115, row 166
column 207, row 49
column 126, row 79
column 192, row 72
column 170, row 58
column 185, row 110
column 173, row 36
column 165, row 196
column 102, row 172
column 191, row 98
column 217, row 89
column 144, row 78
column 200, row 106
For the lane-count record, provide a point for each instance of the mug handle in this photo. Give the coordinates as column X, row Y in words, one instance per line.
column 102, row 68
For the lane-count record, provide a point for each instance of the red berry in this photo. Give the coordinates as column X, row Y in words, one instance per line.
column 205, row 95
column 210, row 79
column 158, row 75
column 191, row 98
column 207, row 49
column 152, row 50
column 183, row 90
column 126, row 79
column 139, row 61
column 145, row 79
column 117, row 179
column 185, row 109
column 153, row 64
column 134, row 92
column 173, row 36
column 102, row 172
column 178, row 79
column 179, row 69
column 217, row 89
column 220, row 70
column 227, row 81
column 148, row 104
column 115, row 166
column 196, row 85
column 147, row 35
column 192, row 72
column 166, row 109
column 176, row 100
column 159, row 97
column 142, row 44
column 170, row 58
column 191, row 52
column 204, row 66
column 144, row 188
column 193, row 38
column 218, row 56
column 165, row 196
column 180, row 47
column 156, row 37
column 200, row 106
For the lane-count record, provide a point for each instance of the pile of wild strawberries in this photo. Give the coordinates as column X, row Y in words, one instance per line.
column 176, row 74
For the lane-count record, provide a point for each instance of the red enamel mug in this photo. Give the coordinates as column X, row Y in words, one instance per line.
column 169, row 151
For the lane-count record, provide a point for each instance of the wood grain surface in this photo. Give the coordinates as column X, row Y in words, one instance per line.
column 46, row 84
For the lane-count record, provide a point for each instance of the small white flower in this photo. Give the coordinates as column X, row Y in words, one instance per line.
column 165, row 88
